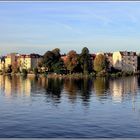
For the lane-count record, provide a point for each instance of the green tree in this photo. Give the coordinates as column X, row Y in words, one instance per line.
column 85, row 61
column 100, row 63
column 48, row 59
column 56, row 53
column 71, row 61
column 58, row 66
column 52, row 60
column 9, row 69
column 139, row 61
column 35, row 71
column 25, row 72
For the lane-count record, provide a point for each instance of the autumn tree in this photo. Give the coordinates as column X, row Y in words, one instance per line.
column 71, row 61
column 85, row 61
column 100, row 63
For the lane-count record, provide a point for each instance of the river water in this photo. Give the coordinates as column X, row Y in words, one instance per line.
column 69, row 108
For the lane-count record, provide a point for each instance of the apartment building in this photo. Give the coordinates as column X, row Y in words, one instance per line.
column 2, row 63
column 29, row 61
column 11, row 59
column 125, row 61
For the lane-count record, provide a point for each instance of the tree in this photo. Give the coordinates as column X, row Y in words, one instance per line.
column 35, row 71
column 25, row 72
column 56, row 53
column 139, row 61
column 15, row 67
column 71, row 61
column 9, row 70
column 85, row 61
column 100, row 63
column 52, row 60
column 48, row 59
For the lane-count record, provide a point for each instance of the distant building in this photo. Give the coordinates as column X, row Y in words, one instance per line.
column 125, row 61
column 29, row 61
column 2, row 63
column 64, row 57
column 11, row 59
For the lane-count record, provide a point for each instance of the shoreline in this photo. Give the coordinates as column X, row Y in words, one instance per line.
column 74, row 75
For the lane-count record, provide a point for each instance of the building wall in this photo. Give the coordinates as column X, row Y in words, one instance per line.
column 125, row 61
column 25, row 62
column 10, row 59
column 28, row 62
column 117, row 60
column 1, row 65
column 8, row 62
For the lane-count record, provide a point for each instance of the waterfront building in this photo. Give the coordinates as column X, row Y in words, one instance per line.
column 64, row 57
column 2, row 63
column 11, row 59
column 125, row 61
column 29, row 62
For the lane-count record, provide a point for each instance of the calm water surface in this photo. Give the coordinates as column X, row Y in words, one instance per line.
column 55, row 108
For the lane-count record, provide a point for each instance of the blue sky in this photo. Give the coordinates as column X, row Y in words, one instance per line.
column 40, row 26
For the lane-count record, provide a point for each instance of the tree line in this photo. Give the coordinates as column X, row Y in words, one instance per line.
column 74, row 62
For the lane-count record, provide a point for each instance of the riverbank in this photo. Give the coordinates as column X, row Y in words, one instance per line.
column 92, row 75
column 74, row 75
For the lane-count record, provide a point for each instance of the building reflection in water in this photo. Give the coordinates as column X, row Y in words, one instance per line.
column 73, row 89
column 15, row 85
column 122, row 87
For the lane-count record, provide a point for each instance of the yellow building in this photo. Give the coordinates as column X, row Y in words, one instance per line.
column 2, row 64
column 11, row 59
column 125, row 61
column 28, row 61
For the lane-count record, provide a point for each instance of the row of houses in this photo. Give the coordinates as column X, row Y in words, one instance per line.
column 22, row 61
column 121, row 60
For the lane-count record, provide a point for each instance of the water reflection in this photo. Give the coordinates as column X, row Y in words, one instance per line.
column 76, row 88
column 122, row 87
column 53, row 89
column 103, row 88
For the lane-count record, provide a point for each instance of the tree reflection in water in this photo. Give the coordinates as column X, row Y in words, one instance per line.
column 53, row 88
column 74, row 90
column 100, row 86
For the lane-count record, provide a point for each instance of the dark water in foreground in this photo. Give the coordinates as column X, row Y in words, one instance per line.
column 69, row 108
